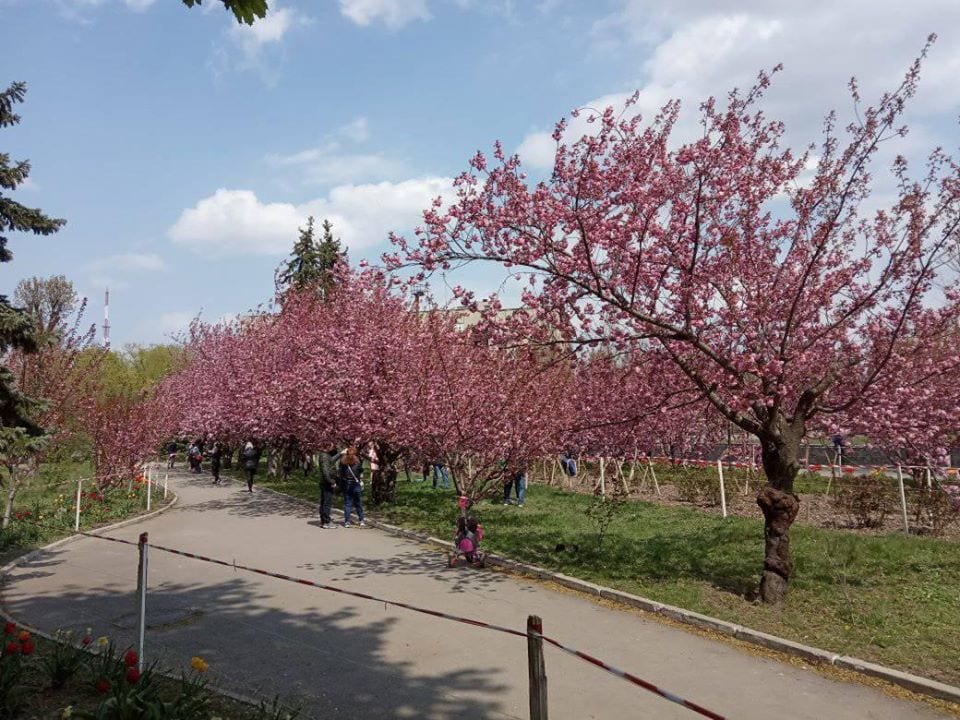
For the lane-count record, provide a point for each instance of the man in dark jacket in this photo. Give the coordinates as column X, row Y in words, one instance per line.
column 251, row 458
column 327, row 462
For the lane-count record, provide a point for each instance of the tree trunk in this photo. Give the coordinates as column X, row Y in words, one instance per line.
column 780, row 506
column 383, row 481
column 12, row 487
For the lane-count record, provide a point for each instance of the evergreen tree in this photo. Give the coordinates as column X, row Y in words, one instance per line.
column 302, row 270
column 312, row 263
column 331, row 255
column 16, row 328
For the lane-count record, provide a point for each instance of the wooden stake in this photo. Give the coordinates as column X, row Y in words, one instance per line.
column 537, row 669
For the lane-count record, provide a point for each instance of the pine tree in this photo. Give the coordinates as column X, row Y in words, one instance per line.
column 312, row 263
column 16, row 328
column 331, row 255
column 302, row 270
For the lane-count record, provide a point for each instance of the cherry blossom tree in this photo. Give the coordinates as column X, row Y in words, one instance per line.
column 777, row 299
column 62, row 375
column 361, row 366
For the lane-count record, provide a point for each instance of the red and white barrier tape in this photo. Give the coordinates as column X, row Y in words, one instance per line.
column 699, row 462
column 629, row 677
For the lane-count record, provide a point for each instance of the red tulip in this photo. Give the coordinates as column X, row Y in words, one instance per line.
column 133, row 674
column 130, row 658
column 102, row 686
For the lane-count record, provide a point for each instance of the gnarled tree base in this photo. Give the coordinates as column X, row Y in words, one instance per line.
column 779, row 511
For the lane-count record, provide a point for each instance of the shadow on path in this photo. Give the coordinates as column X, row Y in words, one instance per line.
column 334, row 662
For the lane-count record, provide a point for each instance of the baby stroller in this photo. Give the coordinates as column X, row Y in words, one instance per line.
column 466, row 542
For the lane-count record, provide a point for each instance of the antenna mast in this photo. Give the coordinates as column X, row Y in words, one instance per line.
column 106, row 319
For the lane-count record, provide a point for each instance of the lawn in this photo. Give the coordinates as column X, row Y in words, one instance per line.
column 47, row 507
column 892, row 599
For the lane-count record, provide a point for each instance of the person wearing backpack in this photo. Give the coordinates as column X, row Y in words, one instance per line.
column 251, row 458
column 329, row 475
column 351, row 482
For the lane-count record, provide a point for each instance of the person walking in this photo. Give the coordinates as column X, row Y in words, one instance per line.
column 216, row 452
column 440, row 471
column 251, row 458
column 351, row 482
column 327, row 463
column 171, row 453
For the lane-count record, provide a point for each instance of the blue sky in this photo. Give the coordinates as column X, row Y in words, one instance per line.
column 184, row 150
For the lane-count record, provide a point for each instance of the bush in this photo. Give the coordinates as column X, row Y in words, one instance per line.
column 937, row 508
column 866, row 500
column 698, row 486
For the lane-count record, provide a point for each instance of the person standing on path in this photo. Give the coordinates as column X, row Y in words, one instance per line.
column 215, row 454
column 251, row 458
column 351, row 481
column 171, row 453
column 327, row 462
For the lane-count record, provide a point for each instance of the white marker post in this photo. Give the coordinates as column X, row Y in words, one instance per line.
column 76, row 523
column 723, row 490
column 149, row 478
column 903, row 500
column 166, row 477
column 653, row 474
column 603, row 485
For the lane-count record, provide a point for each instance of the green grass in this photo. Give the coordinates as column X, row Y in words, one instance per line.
column 890, row 599
column 50, row 501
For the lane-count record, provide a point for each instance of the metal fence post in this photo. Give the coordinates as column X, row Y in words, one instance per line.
column 141, row 598
column 538, row 673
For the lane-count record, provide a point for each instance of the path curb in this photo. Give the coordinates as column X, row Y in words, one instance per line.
column 915, row 683
column 26, row 557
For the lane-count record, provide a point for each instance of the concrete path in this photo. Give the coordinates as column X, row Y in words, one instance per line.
column 342, row 657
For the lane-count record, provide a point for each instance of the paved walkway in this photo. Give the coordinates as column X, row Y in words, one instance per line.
column 343, row 657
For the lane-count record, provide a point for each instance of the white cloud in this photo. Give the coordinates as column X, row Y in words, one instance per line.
column 176, row 321
column 270, row 29
column 538, row 149
column 138, row 5
column 237, row 222
column 700, row 48
column 130, row 262
column 394, row 14
column 331, row 163
column 259, row 46
column 114, row 270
